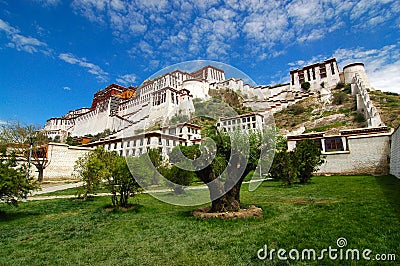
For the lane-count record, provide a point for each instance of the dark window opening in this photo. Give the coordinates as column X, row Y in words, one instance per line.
column 333, row 144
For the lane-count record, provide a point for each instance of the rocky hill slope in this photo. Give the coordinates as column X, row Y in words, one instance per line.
column 313, row 115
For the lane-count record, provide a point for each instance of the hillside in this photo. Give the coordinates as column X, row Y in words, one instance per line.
column 312, row 115
column 388, row 105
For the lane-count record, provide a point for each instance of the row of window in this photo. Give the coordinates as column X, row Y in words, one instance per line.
column 238, row 121
column 139, row 151
column 311, row 74
column 141, row 142
column 244, row 127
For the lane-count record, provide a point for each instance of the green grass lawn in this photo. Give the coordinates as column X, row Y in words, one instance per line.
column 363, row 209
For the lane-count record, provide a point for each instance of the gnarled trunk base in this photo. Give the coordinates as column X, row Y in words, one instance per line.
column 251, row 212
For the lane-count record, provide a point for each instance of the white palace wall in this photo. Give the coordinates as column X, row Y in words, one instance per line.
column 395, row 153
column 62, row 160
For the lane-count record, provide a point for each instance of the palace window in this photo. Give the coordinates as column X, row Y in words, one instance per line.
column 333, row 144
column 333, row 68
column 322, row 71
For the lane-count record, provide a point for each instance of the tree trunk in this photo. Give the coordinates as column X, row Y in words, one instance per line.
column 230, row 201
column 225, row 203
column 40, row 175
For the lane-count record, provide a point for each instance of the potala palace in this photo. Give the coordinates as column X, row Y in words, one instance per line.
column 125, row 111
column 138, row 118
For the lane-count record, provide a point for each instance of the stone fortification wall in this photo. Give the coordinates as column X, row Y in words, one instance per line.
column 62, row 160
column 367, row 154
column 395, row 153
column 364, row 103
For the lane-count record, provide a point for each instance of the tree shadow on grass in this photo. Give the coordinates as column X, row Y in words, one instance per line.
column 10, row 215
column 390, row 186
column 131, row 208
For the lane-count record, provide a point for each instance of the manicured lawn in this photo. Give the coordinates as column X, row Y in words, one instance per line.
column 363, row 209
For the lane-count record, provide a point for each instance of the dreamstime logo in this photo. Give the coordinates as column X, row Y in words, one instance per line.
column 331, row 253
column 167, row 102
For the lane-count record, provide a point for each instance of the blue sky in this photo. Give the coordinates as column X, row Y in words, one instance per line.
column 56, row 54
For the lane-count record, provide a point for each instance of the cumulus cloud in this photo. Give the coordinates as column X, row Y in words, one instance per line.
column 382, row 64
column 100, row 74
column 187, row 29
column 127, row 79
column 66, row 88
column 301, row 63
column 21, row 42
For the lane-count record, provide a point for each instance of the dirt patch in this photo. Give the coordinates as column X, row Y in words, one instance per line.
column 252, row 211
column 301, row 201
column 123, row 209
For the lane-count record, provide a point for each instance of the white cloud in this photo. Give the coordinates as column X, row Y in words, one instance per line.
column 387, row 78
column 48, row 3
column 127, row 79
column 66, row 88
column 382, row 65
column 100, row 74
column 186, row 29
column 301, row 63
column 91, row 9
column 21, row 42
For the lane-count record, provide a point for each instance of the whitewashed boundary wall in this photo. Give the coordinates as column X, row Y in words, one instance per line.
column 366, row 155
column 395, row 153
column 62, row 160
column 361, row 152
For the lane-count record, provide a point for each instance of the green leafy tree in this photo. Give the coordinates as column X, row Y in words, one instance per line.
column 178, row 178
column 156, row 159
column 284, row 167
column 297, row 165
column 15, row 182
column 28, row 142
column 92, row 168
column 308, row 159
column 224, row 168
column 100, row 168
column 121, row 183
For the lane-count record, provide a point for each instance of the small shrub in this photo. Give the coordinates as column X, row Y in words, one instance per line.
column 339, row 86
column 297, row 165
column 296, row 109
column 305, row 85
column 359, row 117
column 391, row 93
column 339, row 98
column 179, row 178
column 347, row 89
